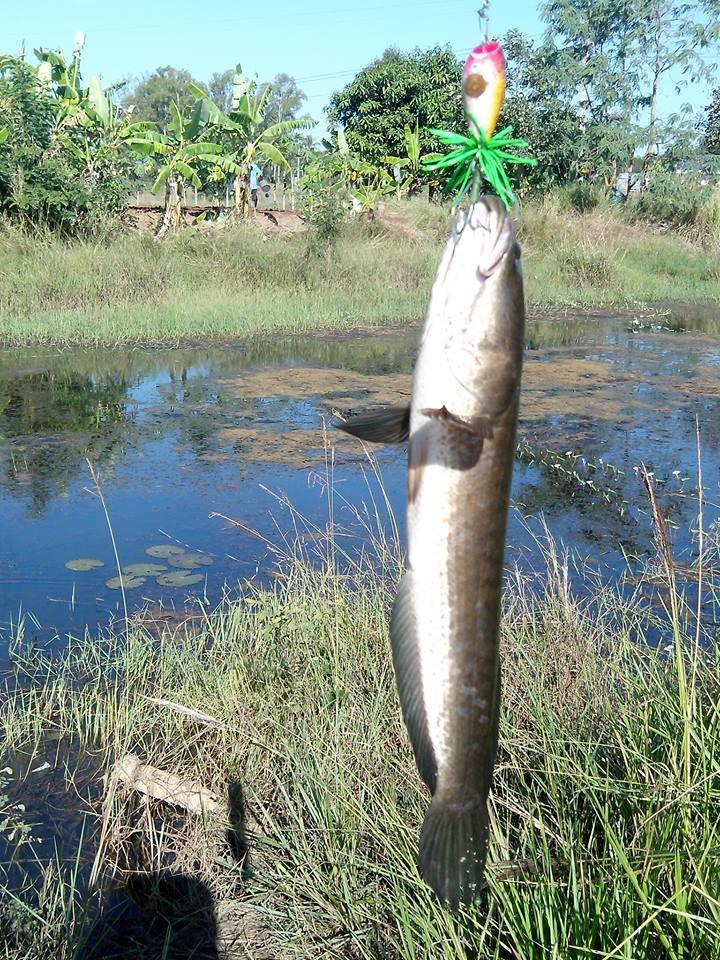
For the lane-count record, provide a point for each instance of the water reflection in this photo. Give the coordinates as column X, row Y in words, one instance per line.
column 180, row 434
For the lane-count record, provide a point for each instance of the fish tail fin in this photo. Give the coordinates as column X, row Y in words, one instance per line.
column 453, row 841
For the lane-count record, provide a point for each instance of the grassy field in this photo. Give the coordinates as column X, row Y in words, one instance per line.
column 241, row 282
column 605, row 838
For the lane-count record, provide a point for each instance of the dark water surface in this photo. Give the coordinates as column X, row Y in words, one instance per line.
column 179, row 434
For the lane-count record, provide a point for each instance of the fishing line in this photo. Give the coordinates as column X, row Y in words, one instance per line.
column 484, row 20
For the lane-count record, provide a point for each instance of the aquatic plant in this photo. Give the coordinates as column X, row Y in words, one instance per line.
column 180, row 578
column 84, row 564
column 577, row 474
column 164, row 550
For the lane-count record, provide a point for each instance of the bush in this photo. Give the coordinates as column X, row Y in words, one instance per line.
column 326, row 211
column 671, row 198
column 42, row 182
column 582, row 196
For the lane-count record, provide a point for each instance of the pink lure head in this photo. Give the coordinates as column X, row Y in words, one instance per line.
column 488, row 54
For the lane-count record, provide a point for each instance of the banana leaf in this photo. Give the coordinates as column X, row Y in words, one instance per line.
column 161, row 178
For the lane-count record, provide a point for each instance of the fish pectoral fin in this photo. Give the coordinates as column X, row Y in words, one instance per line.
column 479, row 427
column 383, row 425
column 453, row 843
column 468, row 437
column 408, row 675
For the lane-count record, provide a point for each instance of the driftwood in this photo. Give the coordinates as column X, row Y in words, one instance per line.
column 164, row 786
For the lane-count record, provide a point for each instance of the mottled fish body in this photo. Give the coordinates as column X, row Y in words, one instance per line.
column 445, row 622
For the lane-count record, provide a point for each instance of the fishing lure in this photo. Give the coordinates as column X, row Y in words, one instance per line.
column 481, row 154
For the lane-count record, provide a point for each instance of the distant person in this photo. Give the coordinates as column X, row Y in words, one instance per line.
column 255, row 174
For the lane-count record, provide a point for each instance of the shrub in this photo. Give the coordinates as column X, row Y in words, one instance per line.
column 672, row 198
column 582, row 196
column 325, row 210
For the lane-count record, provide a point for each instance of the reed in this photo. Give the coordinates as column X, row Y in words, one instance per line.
column 605, row 839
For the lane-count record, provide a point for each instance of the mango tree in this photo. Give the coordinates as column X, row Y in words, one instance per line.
column 183, row 153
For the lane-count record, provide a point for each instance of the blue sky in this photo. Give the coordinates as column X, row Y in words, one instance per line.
column 321, row 43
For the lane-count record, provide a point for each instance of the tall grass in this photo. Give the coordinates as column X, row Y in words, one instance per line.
column 605, row 840
column 240, row 282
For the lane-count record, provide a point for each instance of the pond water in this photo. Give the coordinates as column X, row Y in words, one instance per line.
column 182, row 439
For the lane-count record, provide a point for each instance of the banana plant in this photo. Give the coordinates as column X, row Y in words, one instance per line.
column 90, row 127
column 411, row 161
column 244, row 130
column 183, row 152
column 369, row 193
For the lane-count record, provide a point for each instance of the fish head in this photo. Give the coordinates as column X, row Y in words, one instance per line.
column 484, row 85
column 482, row 313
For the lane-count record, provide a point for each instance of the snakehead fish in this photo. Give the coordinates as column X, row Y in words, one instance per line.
column 445, row 621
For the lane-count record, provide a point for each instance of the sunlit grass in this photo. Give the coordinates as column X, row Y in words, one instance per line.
column 605, row 839
column 240, row 283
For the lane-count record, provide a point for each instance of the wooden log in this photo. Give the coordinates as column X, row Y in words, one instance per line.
column 164, row 786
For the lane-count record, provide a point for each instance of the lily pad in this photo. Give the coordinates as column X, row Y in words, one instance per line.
column 164, row 550
column 129, row 583
column 83, row 564
column 143, row 569
column 188, row 561
column 180, row 578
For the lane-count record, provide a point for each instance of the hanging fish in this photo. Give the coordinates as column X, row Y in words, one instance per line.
column 445, row 622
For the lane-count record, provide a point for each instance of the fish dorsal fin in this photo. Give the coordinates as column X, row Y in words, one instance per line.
column 383, row 425
column 406, row 661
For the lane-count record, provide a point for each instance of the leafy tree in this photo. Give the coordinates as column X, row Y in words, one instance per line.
column 284, row 99
column 410, row 162
column 539, row 105
column 594, row 40
column 712, row 124
column 153, row 95
column 676, row 33
column 183, row 149
column 220, row 89
column 244, row 130
column 37, row 184
column 396, row 91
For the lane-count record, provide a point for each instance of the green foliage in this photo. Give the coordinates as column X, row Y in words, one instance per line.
column 395, row 91
column 284, row 99
column 220, row 89
column 410, row 166
column 183, row 149
column 582, row 196
column 37, row 183
column 154, row 94
column 538, row 106
column 671, row 198
column 712, row 123
column 244, row 130
column 326, row 209
column 63, row 162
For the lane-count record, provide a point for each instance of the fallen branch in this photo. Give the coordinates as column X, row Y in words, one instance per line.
column 164, row 786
